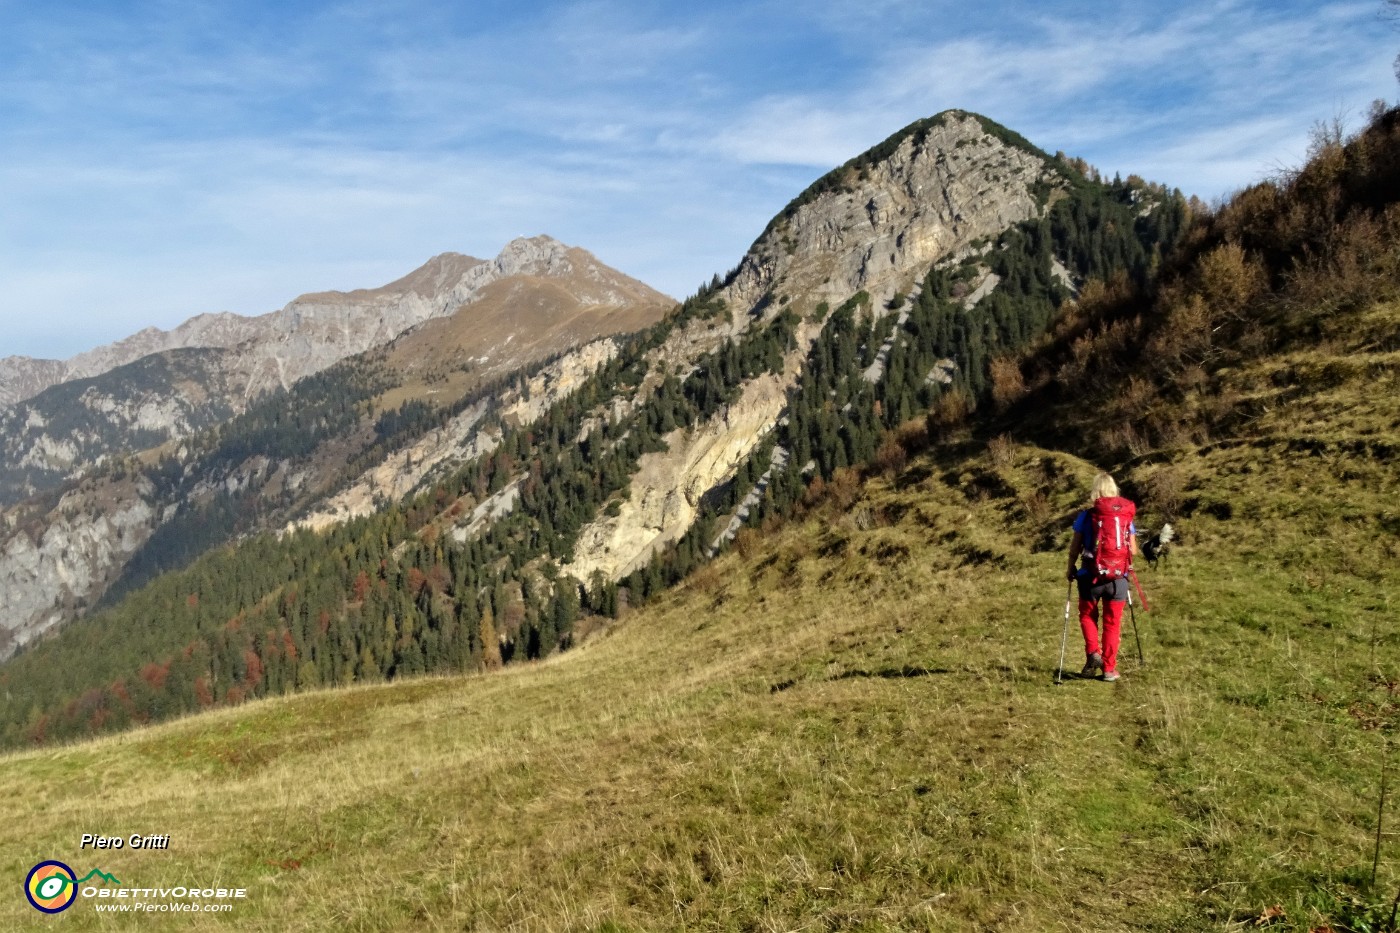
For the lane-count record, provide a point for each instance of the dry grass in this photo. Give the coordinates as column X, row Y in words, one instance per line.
column 514, row 322
column 849, row 724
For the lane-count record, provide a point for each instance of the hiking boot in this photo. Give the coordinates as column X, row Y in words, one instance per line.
column 1092, row 666
column 1110, row 676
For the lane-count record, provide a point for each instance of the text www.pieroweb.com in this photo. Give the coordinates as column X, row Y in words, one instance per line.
column 142, row 907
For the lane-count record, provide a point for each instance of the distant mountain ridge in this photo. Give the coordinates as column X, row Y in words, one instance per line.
column 23, row 377
column 122, row 397
column 77, row 502
column 313, row 330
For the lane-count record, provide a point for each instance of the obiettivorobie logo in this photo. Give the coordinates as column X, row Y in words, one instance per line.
column 52, row 886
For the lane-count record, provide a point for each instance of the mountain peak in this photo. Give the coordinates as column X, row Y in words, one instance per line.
column 539, row 240
column 878, row 222
column 537, row 255
column 439, row 272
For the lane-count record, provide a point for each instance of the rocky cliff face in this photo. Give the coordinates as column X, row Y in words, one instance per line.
column 53, row 565
column 878, row 225
column 666, row 491
column 667, row 488
column 875, row 225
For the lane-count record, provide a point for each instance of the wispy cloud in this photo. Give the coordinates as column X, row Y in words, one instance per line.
column 161, row 159
column 1193, row 82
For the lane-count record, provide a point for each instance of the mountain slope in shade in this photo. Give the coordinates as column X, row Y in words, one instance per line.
column 53, row 436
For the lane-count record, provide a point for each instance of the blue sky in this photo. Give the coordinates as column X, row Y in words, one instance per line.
column 162, row 159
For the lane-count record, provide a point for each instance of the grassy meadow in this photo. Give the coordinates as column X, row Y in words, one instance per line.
column 848, row 723
column 850, row 720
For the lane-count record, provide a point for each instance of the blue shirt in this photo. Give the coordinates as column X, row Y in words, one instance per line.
column 1084, row 525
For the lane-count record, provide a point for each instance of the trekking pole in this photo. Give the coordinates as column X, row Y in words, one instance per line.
column 1132, row 613
column 1064, row 637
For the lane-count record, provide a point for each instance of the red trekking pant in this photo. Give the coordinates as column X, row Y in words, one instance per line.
column 1112, row 628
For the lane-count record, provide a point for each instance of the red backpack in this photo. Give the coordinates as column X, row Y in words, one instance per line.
column 1110, row 522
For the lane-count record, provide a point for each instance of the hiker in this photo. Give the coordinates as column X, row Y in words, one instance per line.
column 1099, row 561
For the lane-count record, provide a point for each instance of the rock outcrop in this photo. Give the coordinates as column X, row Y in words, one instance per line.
column 55, row 567
column 667, row 487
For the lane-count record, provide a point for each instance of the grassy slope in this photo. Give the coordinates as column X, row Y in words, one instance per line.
column 852, row 727
column 546, row 314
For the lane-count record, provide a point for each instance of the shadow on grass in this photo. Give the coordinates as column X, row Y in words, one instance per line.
column 885, row 673
column 1069, row 676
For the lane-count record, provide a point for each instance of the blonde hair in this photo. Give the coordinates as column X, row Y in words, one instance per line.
column 1104, row 486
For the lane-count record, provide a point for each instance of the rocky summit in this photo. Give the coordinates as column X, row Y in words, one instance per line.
column 877, row 223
